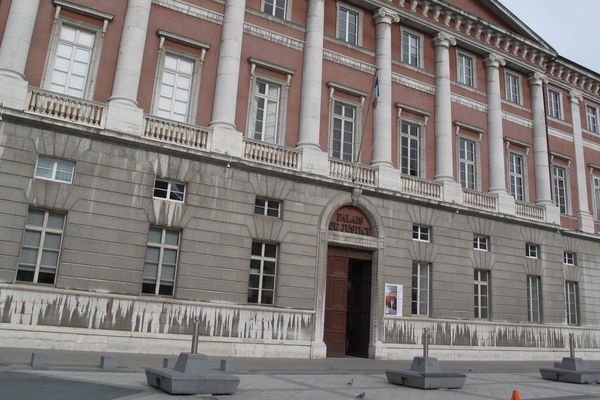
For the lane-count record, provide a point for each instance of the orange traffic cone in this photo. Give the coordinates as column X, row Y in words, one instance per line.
column 515, row 395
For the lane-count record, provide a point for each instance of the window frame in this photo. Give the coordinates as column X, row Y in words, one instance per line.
column 418, row 289
column 462, row 53
column 523, row 175
column 569, row 255
column 532, row 301
column 262, row 259
column 507, row 88
column 170, row 182
column 279, row 131
column 530, row 248
column 340, row 5
column 43, row 231
column 572, row 296
column 419, row 232
column 559, row 111
column 266, row 206
column 356, row 134
column 478, row 241
column 419, row 137
column 591, row 124
column 162, row 246
column 478, row 284
column 54, row 169
column 596, row 195
column 286, row 13
column 475, row 162
column 567, row 193
column 420, row 56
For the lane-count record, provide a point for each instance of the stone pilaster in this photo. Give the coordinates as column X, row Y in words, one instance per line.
column 14, row 51
column 540, row 144
column 124, row 115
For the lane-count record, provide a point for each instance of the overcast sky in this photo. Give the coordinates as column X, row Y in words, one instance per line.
column 571, row 27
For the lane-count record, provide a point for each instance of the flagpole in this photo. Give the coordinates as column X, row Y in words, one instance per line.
column 366, row 118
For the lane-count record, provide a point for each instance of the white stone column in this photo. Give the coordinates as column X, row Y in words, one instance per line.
column 584, row 217
column 382, row 115
column 124, row 115
column 314, row 160
column 14, row 51
column 226, row 139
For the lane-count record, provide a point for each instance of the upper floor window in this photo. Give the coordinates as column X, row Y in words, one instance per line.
column 169, row 190
column 410, row 148
column 555, row 104
column 173, row 95
column 532, row 250
column 481, row 242
column 467, row 163
column 343, row 131
column 596, row 183
column 160, row 262
column 591, row 113
column 40, row 249
column 516, row 176
column 263, row 268
column 267, row 207
column 559, row 183
column 421, row 233
column 411, row 48
column 54, row 169
column 348, row 20
column 569, row 258
column 465, row 70
column 513, row 88
column 276, row 8
column 265, row 111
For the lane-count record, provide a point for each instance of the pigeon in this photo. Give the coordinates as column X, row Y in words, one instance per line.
column 350, row 382
column 361, row 395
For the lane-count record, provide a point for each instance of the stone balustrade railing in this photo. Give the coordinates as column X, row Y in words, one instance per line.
column 352, row 172
column 270, row 154
column 168, row 131
column 66, row 108
column 530, row 211
column 483, row 201
column 421, row 187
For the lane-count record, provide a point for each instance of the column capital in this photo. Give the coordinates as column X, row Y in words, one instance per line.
column 385, row 15
column 575, row 96
column 494, row 60
column 537, row 78
column 444, row 39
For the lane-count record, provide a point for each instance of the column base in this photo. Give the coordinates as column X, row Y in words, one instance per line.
column 506, row 203
column 552, row 213
column 125, row 117
column 585, row 222
column 452, row 192
column 318, row 350
column 14, row 91
column 389, row 178
column 314, row 160
column 226, row 140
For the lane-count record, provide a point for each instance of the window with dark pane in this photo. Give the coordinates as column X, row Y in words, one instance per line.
column 160, row 262
column 481, row 280
column 263, row 270
column 410, row 149
column 169, row 190
column 571, row 294
column 421, row 233
column 533, row 298
column 420, row 288
column 267, row 207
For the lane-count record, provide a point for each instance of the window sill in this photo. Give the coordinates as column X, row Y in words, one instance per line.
column 53, row 180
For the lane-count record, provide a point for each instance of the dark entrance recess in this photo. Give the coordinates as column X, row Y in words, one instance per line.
column 347, row 302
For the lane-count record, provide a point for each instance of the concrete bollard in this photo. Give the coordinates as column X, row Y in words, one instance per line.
column 425, row 342
column 39, row 360
column 228, row 365
column 195, row 335
column 572, row 345
column 108, row 363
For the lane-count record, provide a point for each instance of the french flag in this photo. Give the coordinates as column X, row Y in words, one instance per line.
column 375, row 96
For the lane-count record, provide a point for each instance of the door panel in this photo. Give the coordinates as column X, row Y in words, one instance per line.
column 335, row 306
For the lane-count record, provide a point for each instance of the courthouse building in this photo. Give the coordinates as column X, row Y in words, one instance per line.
column 306, row 178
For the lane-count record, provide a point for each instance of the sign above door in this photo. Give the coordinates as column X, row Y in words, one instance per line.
column 350, row 219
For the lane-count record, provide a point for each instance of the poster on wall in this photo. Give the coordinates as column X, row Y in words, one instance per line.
column 393, row 299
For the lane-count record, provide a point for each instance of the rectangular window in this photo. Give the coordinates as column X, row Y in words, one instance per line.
column 559, row 183
column 347, row 25
column 71, row 67
column 344, row 122
column 467, row 163
column 516, row 176
column 270, row 208
column 532, row 250
column 513, row 88
column 592, row 118
column 421, row 233
column 481, row 280
column 265, row 113
column 410, row 149
column 554, row 104
column 420, row 288
column 54, row 169
column 160, row 264
column 481, row 242
column 596, row 181
column 465, row 70
column 275, row 8
column 175, row 87
column 411, row 49
column 569, row 258
column 40, row 249
column 533, row 299
column 169, row 190
column 263, row 267
column 571, row 293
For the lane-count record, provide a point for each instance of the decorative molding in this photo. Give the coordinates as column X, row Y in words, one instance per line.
column 386, row 15
column 346, row 89
column 494, row 60
column 537, row 79
column 515, row 119
column 560, row 134
column 270, row 66
column 575, row 96
column 444, row 39
column 174, row 37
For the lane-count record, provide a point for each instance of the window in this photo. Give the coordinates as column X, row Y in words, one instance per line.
column 481, row 242
column 276, row 8
column 533, row 299
column 571, row 294
column 592, row 118
column 465, row 70
column 271, row 208
column 420, row 288
column 532, row 250
column 173, row 95
column 421, row 233
column 516, row 176
column 263, row 266
column 160, row 263
column 344, row 122
column 54, row 169
column 513, row 88
column 481, row 280
column 467, row 163
column 69, row 71
column 559, row 183
column 596, row 182
column 347, row 25
column 169, row 190
column 410, row 148
column 40, row 249
column 554, row 105
column 265, row 111
column 411, row 49
column 569, row 258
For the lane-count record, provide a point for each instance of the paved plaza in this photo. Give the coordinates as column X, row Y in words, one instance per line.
column 74, row 376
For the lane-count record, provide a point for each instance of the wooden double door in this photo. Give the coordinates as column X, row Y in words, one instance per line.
column 348, row 302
